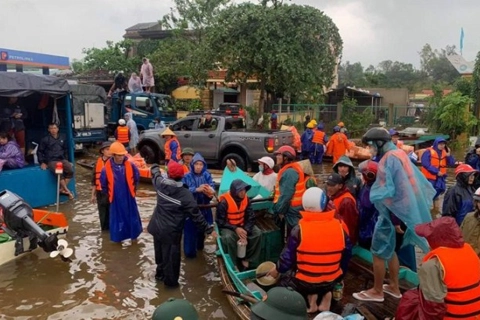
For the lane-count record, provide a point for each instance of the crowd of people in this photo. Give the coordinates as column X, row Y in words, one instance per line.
column 383, row 208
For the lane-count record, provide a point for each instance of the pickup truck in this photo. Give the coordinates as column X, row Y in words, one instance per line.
column 227, row 139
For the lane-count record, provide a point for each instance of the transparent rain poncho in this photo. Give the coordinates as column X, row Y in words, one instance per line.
column 401, row 189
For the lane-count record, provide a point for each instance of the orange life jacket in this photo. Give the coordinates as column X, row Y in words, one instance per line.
column 463, row 288
column 437, row 162
column 123, row 134
column 111, row 180
column 337, row 201
column 300, row 187
column 318, row 137
column 186, row 169
column 98, row 170
column 235, row 215
column 318, row 258
column 168, row 151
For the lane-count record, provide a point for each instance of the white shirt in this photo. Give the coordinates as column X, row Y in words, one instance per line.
column 266, row 181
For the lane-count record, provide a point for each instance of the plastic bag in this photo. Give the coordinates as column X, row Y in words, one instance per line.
column 327, row 315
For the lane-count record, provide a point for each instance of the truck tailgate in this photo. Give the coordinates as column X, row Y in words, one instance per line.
column 283, row 138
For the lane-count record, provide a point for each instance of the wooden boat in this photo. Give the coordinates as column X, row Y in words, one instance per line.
column 51, row 222
column 248, row 291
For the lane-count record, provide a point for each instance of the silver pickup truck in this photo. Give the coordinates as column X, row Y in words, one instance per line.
column 226, row 139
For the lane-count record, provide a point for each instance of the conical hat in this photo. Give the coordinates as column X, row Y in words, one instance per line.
column 168, row 132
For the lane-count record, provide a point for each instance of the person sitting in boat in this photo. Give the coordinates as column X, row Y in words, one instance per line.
column 472, row 157
column 435, row 161
column 345, row 204
column 236, row 222
column 319, row 140
column 310, row 264
column 471, row 224
column 289, row 189
column 175, row 206
column 446, row 290
column 338, row 144
column 122, row 133
column 266, row 177
column 281, row 304
column 399, row 190
column 306, row 140
column 52, row 149
column 458, row 200
column 11, row 156
column 396, row 138
column 367, row 212
column 172, row 149
column 98, row 197
column 187, row 156
column 119, row 179
column 201, row 185
column 344, row 167
column 175, row 309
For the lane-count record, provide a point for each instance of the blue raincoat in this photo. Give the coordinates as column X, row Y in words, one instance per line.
column 193, row 239
column 307, row 144
column 458, row 200
column 401, row 189
column 440, row 183
column 125, row 220
column 319, row 149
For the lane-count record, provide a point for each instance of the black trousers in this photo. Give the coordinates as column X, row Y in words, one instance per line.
column 167, row 258
column 103, row 210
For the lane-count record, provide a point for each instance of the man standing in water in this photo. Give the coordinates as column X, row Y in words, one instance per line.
column 119, row 180
column 402, row 191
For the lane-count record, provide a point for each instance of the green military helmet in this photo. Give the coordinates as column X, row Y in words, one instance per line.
column 281, row 304
column 175, row 309
column 187, row 151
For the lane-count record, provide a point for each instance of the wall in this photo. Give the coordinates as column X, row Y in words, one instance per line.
column 397, row 96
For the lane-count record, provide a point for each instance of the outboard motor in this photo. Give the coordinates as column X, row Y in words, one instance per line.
column 18, row 218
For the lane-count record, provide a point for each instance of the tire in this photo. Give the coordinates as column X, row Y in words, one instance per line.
column 239, row 160
column 149, row 153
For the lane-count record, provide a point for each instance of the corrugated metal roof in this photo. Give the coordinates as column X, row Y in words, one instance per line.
column 142, row 26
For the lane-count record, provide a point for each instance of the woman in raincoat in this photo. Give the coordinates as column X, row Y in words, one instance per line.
column 201, row 185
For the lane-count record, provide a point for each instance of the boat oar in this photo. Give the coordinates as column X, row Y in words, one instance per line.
column 245, row 297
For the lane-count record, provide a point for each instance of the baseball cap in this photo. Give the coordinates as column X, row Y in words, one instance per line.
column 175, row 170
column 334, row 179
column 175, row 309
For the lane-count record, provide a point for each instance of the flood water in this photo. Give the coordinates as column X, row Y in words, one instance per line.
column 106, row 280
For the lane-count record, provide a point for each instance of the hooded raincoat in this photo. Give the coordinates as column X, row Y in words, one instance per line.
column 175, row 204
column 401, row 189
column 458, row 200
column 337, row 146
column 193, row 239
column 11, row 156
column 227, row 230
column 368, row 216
column 125, row 220
column 439, row 183
column 307, row 145
column 132, row 128
column 352, row 182
column 472, row 158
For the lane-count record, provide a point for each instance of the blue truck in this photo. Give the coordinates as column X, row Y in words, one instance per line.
column 96, row 117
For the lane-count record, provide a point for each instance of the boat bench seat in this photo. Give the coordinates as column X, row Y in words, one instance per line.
column 36, row 186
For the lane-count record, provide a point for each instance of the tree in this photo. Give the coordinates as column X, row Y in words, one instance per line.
column 114, row 57
column 351, row 74
column 289, row 48
column 436, row 65
column 476, row 84
column 454, row 115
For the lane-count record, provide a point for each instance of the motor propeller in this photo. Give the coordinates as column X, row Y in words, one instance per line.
column 62, row 249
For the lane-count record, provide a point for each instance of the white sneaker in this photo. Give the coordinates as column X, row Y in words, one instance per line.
column 126, row 243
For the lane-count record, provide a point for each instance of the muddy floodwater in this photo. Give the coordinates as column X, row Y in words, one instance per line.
column 106, row 280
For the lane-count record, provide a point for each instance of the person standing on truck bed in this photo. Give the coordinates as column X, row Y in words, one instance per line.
column 173, row 151
column 119, row 84
column 289, row 189
column 146, row 73
column 208, row 122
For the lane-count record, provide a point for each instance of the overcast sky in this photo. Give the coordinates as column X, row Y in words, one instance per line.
column 372, row 30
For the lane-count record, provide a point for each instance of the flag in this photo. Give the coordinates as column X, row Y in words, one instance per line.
column 462, row 35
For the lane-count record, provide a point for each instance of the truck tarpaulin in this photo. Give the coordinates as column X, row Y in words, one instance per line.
column 85, row 93
column 17, row 84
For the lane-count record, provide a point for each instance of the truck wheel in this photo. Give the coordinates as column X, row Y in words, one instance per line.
column 241, row 163
column 149, row 154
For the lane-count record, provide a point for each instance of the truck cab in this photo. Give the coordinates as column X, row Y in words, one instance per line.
column 145, row 108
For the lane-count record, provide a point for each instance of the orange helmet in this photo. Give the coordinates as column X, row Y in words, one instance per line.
column 118, row 148
column 287, row 151
column 341, row 124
